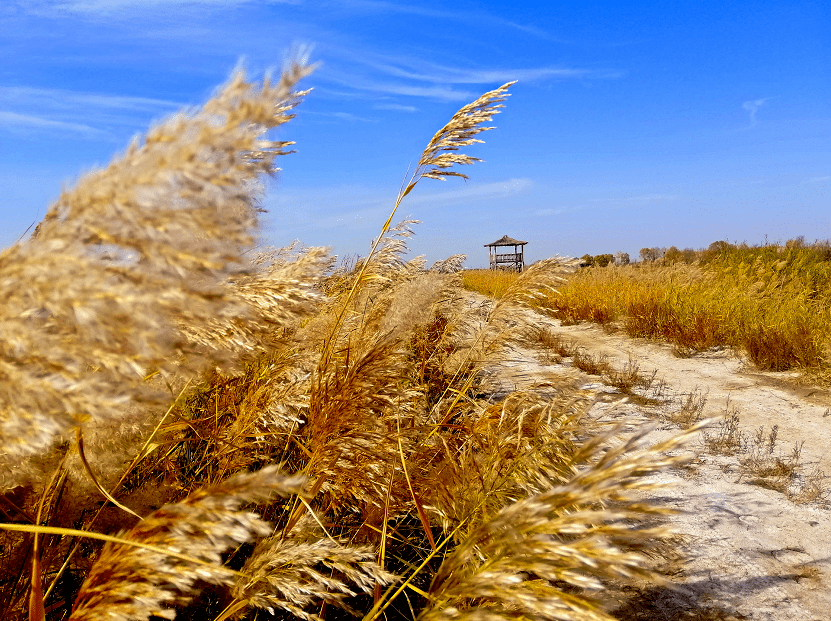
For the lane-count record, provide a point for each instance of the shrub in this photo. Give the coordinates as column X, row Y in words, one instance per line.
column 602, row 260
column 651, row 254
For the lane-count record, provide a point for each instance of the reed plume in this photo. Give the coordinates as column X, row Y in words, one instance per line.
column 549, row 555
column 94, row 301
column 441, row 153
column 307, row 568
column 436, row 162
column 524, row 445
column 177, row 546
column 450, row 265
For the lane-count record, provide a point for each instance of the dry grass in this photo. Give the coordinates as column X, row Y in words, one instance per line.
column 770, row 302
column 626, row 379
column 272, row 434
column 493, row 283
column 760, row 462
column 691, row 410
column 727, row 438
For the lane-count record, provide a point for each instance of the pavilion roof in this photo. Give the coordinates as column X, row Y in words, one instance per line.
column 506, row 241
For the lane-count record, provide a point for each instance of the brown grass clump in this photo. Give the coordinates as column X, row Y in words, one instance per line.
column 691, row 410
column 782, row 473
column 727, row 438
column 266, row 433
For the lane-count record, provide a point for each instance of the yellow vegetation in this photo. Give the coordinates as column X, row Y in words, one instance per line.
column 493, row 283
column 771, row 302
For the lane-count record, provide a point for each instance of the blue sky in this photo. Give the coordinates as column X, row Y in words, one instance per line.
column 632, row 125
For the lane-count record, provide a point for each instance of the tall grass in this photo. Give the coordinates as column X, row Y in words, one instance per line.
column 493, row 283
column 189, row 429
column 772, row 302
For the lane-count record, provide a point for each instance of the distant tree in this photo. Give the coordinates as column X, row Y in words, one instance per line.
column 622, row 258
column 587, row 260
column 823, row 249
column 714, row 250
column 719, row 246
column 651, row 254
column 672, row 255
column 688, row 255
column 602, row 260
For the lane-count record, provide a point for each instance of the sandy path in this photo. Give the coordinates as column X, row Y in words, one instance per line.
column 748, row 552
column 762, row 398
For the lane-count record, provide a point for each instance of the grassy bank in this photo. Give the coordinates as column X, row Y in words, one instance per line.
column 772, row 302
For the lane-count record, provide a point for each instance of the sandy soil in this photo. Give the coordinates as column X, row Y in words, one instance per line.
column 744, row 551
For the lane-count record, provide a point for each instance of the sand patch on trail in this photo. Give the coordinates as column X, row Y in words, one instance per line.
column 744, row 551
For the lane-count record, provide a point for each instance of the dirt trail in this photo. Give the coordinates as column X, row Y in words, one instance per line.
column 747, row 552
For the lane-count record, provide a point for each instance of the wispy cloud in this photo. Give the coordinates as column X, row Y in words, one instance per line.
column 552, row 211
column 458, row 75
column 75, row 111
column 12, row 120
column 108, row 6
column 595, row 203
column 362, row 207
column 752, row 106
column 341, row 116
column 310, row 207
column 436, row 92
column 26, row 95
column 394, row 106
column 472, row 190
column 347, row 116
column 413, row 76
column 819, row 179
column 419, row 9
column 442, row 83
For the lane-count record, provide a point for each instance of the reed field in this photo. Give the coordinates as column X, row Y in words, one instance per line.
column 771, row 302
column 195, row 427
column 493, row 283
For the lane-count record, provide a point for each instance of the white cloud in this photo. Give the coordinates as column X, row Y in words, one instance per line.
column 398, row 107
column 594, row 203
column 550, row 211
column 441, row 93
column 353, row 118
column 359, row 207
column 819, row 179
column 472, row 190
column 108, row 6
column 14, row 120
column 420, row 77
column 423, row 11
column 76, row 111
column 457, row 75
column 343, row 116
column 24, row 95
column 752, row 106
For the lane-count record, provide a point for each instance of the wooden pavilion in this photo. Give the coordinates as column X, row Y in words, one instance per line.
column 506, row 260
